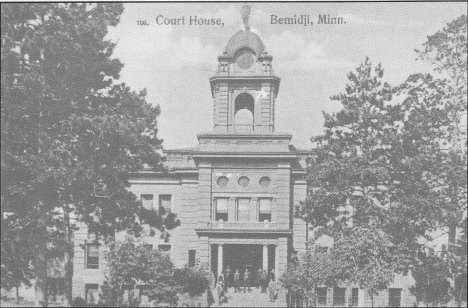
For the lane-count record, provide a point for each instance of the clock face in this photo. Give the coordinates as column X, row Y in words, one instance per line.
column 245, row 60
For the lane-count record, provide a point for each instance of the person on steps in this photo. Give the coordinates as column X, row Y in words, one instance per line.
column 264, row 281
column 272, row 290
column 247, row 280
column 237, row 281
column 258, row 277
column 220, row 290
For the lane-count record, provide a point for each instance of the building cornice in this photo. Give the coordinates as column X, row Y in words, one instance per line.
column 259, row 78
column 244, row 231
column 218, row 135
column 171, row 172
column 277, row 155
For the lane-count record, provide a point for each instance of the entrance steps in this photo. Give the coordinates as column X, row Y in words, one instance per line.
column 252, row 299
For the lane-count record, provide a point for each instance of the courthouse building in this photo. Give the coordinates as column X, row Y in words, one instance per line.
column 236, row 191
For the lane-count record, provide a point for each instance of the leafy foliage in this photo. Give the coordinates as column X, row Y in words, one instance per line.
column 315, row 269
column 132, row 263
column 447, row 51
column 362, row 256
column 446, row 96
column 431, row 276
column 193, row 280
column 393, row 162
column 352, row 156
column 16, row 255
column 365, row 256
column 71, row 134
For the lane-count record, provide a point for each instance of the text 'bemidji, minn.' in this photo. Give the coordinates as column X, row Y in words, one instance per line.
column 306, row 20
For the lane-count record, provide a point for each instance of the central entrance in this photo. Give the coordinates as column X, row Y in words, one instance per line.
column 241, row 257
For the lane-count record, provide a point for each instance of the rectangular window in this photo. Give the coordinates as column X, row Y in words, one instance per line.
column 165, row 249
column 264, row 210
column 221, row 209
column 321, row 296
column 148, row 246
column 355, row 297
column 92, row 293
column 394, row 297
column 165, row 202
column 147, row 202
column 339, row 296
column 191, row 258
column 92, row 256
column 243, row 209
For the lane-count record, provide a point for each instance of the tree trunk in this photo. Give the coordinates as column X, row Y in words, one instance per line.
column 40, row 258
column 17, row 295
column 68, row 257
column 452, row 243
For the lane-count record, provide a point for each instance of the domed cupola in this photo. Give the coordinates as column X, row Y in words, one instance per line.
column 244, row 39
column 244, row 87
column 245, row 53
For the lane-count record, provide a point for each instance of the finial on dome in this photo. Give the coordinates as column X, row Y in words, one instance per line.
column 245, row 12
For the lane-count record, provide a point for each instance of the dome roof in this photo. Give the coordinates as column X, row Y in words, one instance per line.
column 242, row 39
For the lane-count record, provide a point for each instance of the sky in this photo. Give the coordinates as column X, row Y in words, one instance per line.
column 174, row 62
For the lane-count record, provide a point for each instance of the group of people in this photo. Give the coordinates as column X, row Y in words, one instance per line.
column 246, row 280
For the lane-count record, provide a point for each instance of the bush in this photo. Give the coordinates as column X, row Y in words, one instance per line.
column 132, row 263
column 192, row 281
column 79, row 302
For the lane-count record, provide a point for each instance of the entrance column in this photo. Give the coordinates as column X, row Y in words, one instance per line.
column 276, row 262
column 265, row 257
column 220, row 259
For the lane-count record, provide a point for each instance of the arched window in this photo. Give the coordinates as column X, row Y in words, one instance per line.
column 244, row 112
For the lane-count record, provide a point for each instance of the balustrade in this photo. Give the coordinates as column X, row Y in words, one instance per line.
column 246, row 225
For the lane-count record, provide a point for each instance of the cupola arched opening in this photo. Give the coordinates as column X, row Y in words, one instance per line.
column 244, row 110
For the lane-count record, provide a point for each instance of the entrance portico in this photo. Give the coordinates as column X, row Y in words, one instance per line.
column 252, row 251
column 242, row 256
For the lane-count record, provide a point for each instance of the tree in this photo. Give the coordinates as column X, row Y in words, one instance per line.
column 460, row 267
column 193, row 281
column 352, row 180
column 132, row 263
column 447, row 51
column 352, row 156
column 71, row 135
column 431, row 276
column 16, row 268
column 365, row 256
column 361, row 256
column 316, row 268
column 368, row 183
column 445, row 96
column 399, row 164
